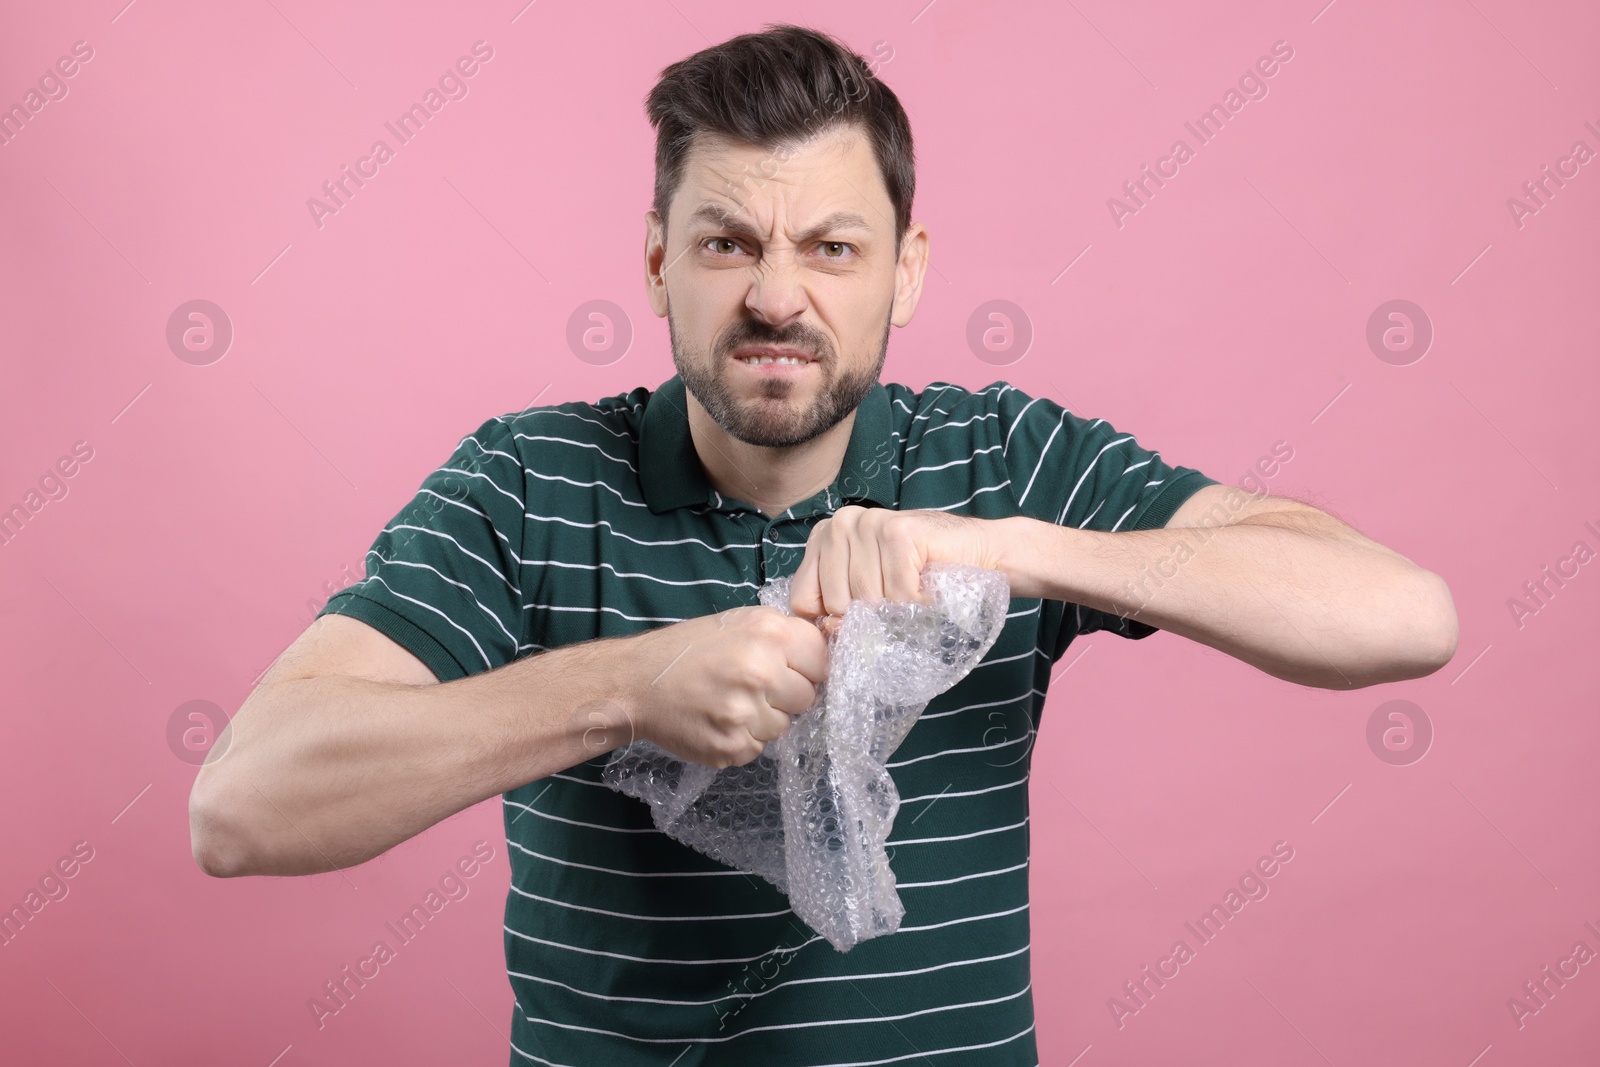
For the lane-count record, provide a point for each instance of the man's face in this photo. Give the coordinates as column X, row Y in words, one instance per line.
column 779, row 279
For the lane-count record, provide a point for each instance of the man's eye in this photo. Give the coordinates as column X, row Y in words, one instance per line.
column 717, row 245
column 834, row 249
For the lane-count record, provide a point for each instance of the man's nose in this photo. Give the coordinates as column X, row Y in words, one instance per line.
column 777, row 291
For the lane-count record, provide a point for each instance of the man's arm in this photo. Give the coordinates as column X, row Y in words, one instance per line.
column 1279, row 584
column 350, row 744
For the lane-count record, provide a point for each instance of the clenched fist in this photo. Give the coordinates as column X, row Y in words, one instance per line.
column 716, row 689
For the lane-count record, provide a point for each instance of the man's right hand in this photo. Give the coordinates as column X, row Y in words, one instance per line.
column 716, row 689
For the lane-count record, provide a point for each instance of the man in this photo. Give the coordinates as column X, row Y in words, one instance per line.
column 580, row 575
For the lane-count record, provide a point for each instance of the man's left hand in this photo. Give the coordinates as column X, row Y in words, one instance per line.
column 878, row 554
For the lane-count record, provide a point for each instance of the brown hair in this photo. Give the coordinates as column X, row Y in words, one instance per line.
column 779, row 87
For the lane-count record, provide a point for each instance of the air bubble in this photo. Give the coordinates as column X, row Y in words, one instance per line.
column 811, row 814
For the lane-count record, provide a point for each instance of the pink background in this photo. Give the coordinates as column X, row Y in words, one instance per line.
column 1227, row 315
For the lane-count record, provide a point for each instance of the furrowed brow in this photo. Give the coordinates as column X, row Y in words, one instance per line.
column 837, row 222
column 718, row 217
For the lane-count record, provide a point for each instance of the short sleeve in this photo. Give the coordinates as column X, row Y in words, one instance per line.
column 1085, row 473
column 443, row 577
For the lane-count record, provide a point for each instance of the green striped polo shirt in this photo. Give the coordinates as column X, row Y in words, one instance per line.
column 568, row 522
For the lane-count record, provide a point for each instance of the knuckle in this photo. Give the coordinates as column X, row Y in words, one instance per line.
column 725, row 720
column 721, row 755
column 749, row 656
column 762, row 673
column 730, row 752
column 768, row 625
column 798, row 629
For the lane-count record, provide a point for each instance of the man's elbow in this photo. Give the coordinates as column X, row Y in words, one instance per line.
column 1432, row 629
column 1442, row 628
column 1418, row 635
column 219, row 846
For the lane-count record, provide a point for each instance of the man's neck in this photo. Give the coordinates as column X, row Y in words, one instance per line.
column 772, row 479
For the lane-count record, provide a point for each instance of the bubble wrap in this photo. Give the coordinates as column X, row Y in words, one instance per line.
column 812, row 812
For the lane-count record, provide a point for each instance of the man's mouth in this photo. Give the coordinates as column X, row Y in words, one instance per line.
column 752, row 356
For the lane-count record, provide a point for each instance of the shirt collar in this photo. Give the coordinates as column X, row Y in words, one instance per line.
column 672, row 476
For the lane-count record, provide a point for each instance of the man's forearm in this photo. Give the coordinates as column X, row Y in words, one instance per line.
column 1296, row 594
column 329, row 771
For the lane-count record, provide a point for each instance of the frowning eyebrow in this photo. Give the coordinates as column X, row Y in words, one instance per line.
column 717, row 216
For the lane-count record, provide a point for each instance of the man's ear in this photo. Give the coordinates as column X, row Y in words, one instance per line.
column 655, row 257
column 909, row 271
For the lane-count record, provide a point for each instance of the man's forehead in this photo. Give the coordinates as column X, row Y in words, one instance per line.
column 833, row 173
column 838, row 139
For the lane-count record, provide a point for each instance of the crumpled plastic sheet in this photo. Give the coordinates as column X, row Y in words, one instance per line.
column 812, row 812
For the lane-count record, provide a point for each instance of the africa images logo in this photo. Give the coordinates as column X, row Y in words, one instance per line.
column 452, row 85
column 1252, row 85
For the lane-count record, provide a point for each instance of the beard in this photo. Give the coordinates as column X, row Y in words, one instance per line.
column 770, row 420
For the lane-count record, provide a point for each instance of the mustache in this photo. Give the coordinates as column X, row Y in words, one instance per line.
column 795, row 335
